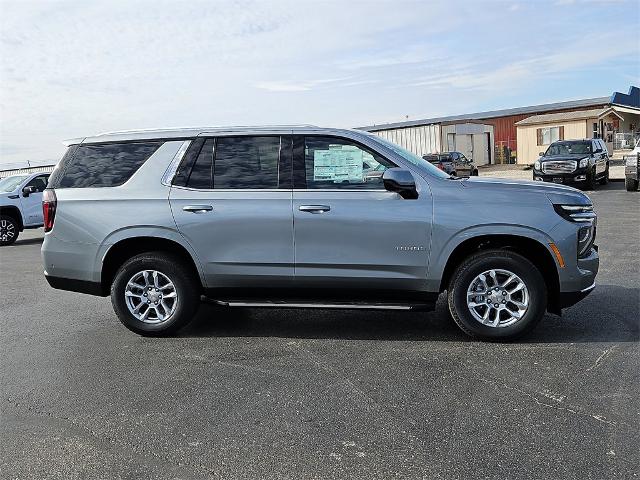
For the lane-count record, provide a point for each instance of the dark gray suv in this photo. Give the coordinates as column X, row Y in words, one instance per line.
column 294, row 217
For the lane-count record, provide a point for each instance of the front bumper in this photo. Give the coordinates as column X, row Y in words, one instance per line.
column 576, row 177
column 567, row 299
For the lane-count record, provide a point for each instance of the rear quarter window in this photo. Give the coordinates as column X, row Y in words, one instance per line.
column 101, row 165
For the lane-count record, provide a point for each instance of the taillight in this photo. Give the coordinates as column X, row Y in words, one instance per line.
column 440, row 166
column 49, row 203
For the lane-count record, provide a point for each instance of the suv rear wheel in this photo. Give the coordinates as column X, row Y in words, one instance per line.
column 155, row 294
column 497, row 295
column 8, row 230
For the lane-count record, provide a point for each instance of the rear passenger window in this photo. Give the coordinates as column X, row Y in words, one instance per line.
column 202, row 171
column 246, row 162
column 103, row 165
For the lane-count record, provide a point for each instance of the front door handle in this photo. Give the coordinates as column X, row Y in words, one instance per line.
column 197, row 208
column 314, row 208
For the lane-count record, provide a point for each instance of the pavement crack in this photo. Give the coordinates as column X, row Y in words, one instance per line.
column 602, row 357
column 570, row 409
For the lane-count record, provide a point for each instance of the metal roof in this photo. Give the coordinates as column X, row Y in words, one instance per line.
column 19, row 171
column 563, row 116
column 588, row 102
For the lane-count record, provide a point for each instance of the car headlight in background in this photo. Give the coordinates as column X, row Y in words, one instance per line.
column 536, row 165
column 583, row 163
column 631, row 160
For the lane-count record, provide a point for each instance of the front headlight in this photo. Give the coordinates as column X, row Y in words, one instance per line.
column 586, row 237
column 536, row 165
column 576, row 213
column 584, row 162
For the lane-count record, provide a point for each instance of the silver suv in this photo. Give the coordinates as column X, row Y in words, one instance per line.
column 291, row 217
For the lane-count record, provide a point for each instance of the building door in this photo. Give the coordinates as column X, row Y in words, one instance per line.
column 488, row 148
column 464, row 145
column 451, row 142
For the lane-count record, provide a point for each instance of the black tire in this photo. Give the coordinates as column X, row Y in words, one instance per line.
column 590, row 184
column 605, row 179
column 474, row 173
column 187, row 289
column 9, row 230
column 631, row 184
column 475, row 265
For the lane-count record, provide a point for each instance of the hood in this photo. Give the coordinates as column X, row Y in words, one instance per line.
column 555, row 158
column 4, row 196
column 554, row 192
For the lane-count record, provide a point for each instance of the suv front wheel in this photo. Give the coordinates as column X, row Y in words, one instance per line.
column 155, row 294
column 497, row 295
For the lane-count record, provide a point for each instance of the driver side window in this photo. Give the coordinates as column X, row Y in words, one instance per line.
column 337, row 163
column 40, row 182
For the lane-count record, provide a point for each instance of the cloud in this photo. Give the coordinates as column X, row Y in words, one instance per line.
column 302, row 86
column 72, row 68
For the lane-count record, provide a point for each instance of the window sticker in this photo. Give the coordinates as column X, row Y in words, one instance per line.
column 337, row 165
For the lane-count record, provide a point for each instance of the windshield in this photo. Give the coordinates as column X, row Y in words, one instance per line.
column 567, row 148
column 421, row 163
column 9, row 184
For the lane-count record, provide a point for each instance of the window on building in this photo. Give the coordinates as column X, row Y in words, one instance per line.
column 548, row 135
column 596, row 133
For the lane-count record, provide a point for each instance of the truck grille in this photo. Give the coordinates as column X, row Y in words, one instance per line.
column 561, row 166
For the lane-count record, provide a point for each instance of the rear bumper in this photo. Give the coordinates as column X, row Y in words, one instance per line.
column 73, row 285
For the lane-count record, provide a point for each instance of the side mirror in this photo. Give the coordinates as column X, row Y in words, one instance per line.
column 28, row 190
column 401, row 181
column 542, row 154
column 597, row 150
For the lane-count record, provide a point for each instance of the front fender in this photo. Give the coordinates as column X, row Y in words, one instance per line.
column 445, row 246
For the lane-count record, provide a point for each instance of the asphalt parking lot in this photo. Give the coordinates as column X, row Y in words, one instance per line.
column 293, row 394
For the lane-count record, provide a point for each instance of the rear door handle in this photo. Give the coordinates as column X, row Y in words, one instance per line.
column 314, row 208
column 197, row 208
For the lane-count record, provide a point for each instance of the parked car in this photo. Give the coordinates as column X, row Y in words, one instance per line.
column 253, row 217
column 20, row 204
column 454, row 163
column 632, row 169
column 574, row 162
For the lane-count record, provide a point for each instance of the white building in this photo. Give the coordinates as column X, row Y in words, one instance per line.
column 473, row 139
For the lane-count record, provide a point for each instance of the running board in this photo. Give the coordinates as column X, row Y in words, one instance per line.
column 325, row 305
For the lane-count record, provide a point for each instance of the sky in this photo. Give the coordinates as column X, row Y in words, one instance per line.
column 75, row 68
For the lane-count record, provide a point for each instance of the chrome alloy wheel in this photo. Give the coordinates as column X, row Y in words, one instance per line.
column 151, row 296
column 497, row 298
column 7, row 231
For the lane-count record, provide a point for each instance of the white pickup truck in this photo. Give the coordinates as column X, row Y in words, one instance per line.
column 20, row 204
